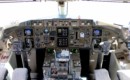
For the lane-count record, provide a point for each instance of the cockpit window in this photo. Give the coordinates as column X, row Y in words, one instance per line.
column 13, row 13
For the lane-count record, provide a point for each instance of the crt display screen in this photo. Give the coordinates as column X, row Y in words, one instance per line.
column 28, row 32
column 128, row 45
column 97, row 32
column 60, row 55
column 62, row 32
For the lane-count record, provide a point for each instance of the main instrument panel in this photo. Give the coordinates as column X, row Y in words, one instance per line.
column 73, row 33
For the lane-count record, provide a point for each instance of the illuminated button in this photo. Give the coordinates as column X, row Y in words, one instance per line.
column 34, row 24
column 82, row 23
column 46, row 31
column 40, row 24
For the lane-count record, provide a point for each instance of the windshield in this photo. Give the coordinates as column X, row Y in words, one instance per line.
column 108, row 12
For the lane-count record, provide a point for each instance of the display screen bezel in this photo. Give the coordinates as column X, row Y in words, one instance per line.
column 61, row 34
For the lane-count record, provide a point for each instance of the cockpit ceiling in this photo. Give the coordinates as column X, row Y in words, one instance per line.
column 116, row 1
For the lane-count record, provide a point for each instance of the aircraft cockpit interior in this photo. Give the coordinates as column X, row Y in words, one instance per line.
column 64, row 49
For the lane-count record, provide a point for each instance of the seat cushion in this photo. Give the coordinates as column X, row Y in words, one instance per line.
column 123, row 74
column 101, row 74
column 3, row 73
column 20, row 74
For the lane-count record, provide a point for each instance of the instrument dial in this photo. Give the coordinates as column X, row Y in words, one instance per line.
column 46, row 30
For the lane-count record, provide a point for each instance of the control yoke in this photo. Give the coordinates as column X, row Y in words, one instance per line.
column 105, row 45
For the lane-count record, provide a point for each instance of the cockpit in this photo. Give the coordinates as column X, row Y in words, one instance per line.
column 64, row 49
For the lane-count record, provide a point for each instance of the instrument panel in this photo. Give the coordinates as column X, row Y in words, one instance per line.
column 52, row 33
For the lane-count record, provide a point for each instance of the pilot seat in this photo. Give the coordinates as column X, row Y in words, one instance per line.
column 3, row 73
column 20, row 74
column 101, row 74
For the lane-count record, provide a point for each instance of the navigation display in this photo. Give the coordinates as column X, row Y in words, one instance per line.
column 28, row 32
column 128, row 45
column 97, row 32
